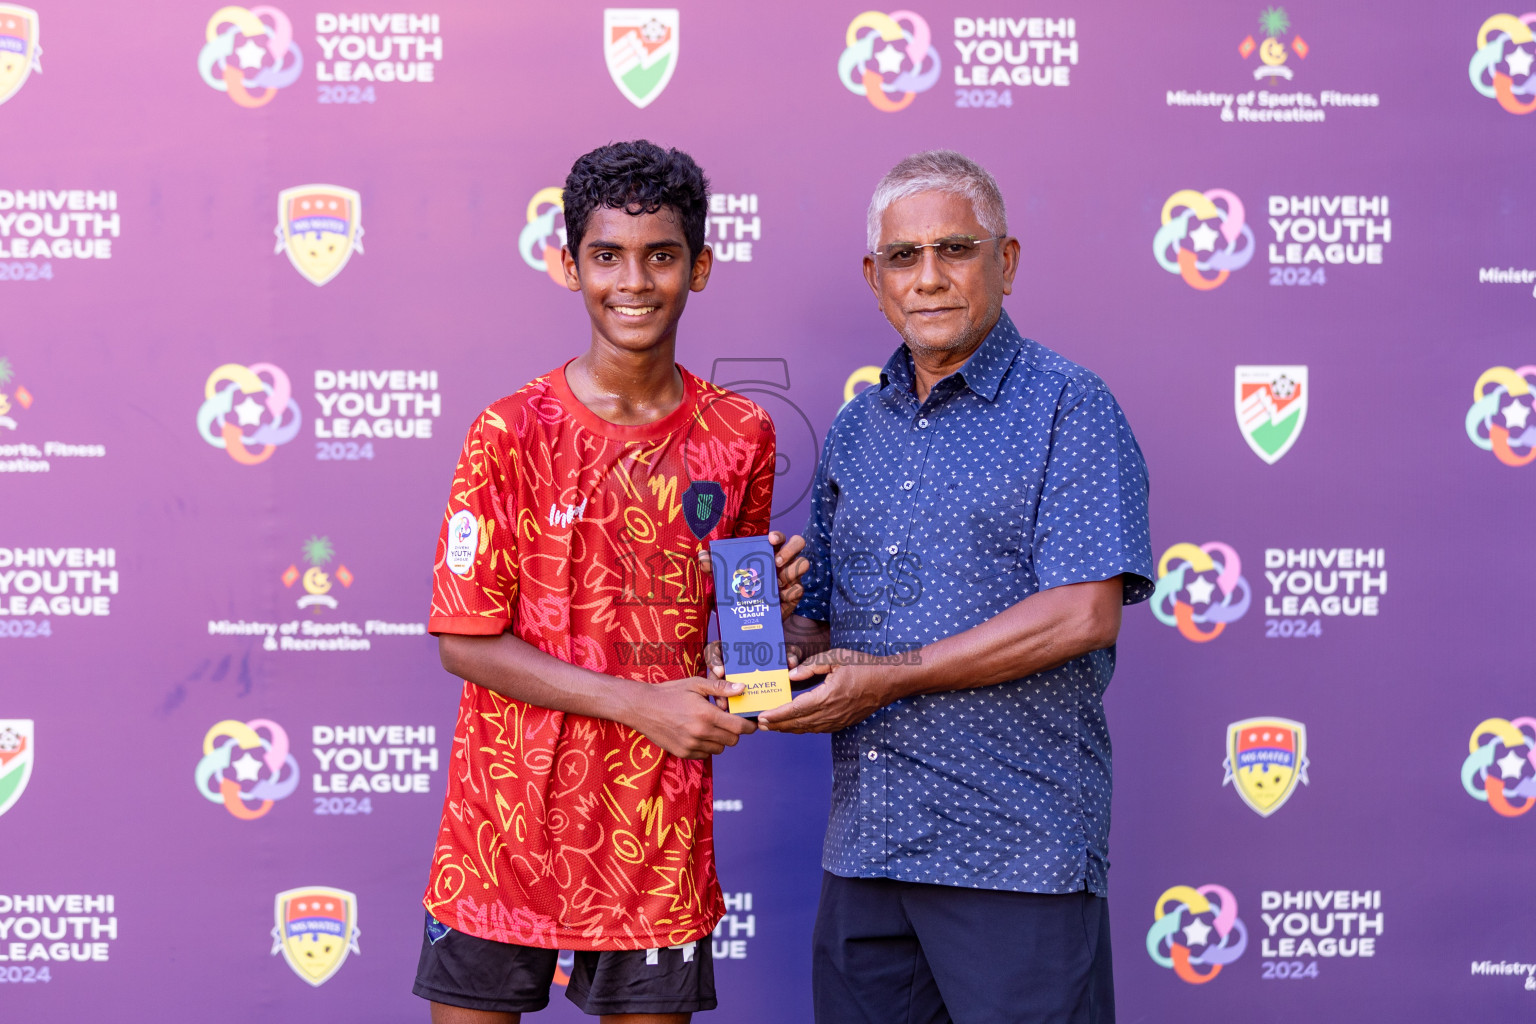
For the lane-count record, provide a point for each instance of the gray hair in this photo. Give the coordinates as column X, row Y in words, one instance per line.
column 941, row 170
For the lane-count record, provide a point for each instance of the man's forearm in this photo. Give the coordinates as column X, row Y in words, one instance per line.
column 515, row 668
column 1041, row 632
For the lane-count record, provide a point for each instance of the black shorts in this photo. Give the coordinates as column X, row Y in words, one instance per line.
column 889, row 952
column 479, row 974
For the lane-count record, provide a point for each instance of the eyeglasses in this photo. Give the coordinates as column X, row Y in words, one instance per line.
column 954, row 249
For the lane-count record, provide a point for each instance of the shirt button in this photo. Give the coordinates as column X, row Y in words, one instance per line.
column 923, row 422
column 906, row 485
column 872, row 755
column 875, row 618
column 891, row 550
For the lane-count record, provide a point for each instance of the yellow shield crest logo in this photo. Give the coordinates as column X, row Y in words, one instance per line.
column 319, row 227
column 1266, row 758
column 316, row 929
column 19, row 51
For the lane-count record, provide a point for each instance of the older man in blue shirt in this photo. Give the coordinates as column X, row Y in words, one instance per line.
column 977, row 522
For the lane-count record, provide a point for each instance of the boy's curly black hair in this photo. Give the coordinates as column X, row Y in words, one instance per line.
column 636, row 177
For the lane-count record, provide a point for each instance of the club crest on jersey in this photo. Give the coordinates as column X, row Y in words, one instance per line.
column 1266, row 758
column 15, row 760
column 319, row 227
column 19, row 51
column 640, row 46
column 316, row 929
column 1271, row 404
column 703, row 505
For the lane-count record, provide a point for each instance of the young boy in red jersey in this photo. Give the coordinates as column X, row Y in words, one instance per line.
column 568, row 594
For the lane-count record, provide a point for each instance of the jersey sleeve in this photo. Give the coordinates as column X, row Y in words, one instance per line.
column 475, row 576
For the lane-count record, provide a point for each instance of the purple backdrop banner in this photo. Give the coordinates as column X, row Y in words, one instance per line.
column 260, row 268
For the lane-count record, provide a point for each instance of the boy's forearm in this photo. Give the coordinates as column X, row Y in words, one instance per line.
column 514, row 668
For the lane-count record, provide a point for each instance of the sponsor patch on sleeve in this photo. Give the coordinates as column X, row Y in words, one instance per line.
column 463, row 542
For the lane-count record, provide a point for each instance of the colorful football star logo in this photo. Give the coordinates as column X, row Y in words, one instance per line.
column 1200, row 586
column 316, row 929
column 640, row 46
column 1274, row 23
column 319, row 226
column 1502, row 765
column 1266, row 757
column 240, row 749
column 1231, row 227
column 544, row 234
column 1194, row 928
column 265, row 52
column 318, row 552
column 19, row 51
column 904, row 54
column 746, row 583
column 1501, row 67
column 20, row 394
column 1500, row 418
column 1271, row 403
column 15, row 759
column 267, row 409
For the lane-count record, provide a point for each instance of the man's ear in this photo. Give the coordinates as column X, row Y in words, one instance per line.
column 869, row 276
column 702, row 265
column 1010, row 254
column 568, row 264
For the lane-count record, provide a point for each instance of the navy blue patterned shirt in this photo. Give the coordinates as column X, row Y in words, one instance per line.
column 1019, row 473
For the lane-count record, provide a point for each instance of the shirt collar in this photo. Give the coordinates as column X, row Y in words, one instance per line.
column 983, row 373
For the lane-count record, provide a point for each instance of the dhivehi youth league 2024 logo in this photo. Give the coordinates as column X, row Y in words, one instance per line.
column 746, row 584
column 250, row 54
column 1200, row 588
column 640, row 46
column 544, row 234
column 265, row 417
column 905, row 51
column 239, row 748
column 1222, row 231
column 319, row 227
column 1502, row 765
column 1194, row 929
column 1271, row 404
column 19, row 51
column 316, row 928
column 1501, row 67
column 16, row 743
column 1500, row 418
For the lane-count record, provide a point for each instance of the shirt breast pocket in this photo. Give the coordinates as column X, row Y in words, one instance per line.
column 980, row 529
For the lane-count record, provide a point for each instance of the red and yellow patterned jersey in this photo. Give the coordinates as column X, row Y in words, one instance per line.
column 581, row 536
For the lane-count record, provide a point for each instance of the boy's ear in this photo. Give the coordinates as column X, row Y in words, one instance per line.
column 701, row 268
column 568, row 264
